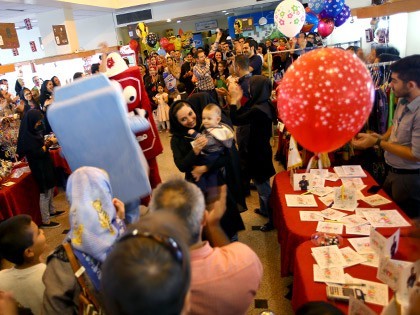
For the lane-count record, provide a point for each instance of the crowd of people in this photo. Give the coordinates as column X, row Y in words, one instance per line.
column 183, row 257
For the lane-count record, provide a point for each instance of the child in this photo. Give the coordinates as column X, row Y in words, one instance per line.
column 161, row 98
column 219, row 136
column 22, row 243
column 182, row 95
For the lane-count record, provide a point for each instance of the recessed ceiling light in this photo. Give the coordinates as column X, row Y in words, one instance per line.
column 179, row 21
column 227, row 13
column 168, row 20
column 224, row 11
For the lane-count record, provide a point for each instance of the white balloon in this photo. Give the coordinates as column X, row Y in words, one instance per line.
column 289, row 17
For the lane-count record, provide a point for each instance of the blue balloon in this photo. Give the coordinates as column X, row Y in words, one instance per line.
column 333, row 7
column 311, row 18
column 316, row 6
column 342, row 17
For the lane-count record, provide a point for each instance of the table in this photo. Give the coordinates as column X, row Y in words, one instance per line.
column 20, row 198
column 291, row 231
column 59, row 160
column 306, row 290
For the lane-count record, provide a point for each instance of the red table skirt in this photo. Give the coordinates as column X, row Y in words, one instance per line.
column 20, row 198
column 291, row 231
column 306, row 290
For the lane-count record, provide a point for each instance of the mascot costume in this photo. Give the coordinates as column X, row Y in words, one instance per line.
column 93, row 126
column 136, row 97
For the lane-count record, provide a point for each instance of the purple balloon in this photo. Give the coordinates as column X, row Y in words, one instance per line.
column 316, row 6
column 324, row 15
column 342, row 17
column 333, row 7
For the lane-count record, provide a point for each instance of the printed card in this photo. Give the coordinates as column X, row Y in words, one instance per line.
column 353, row 171
column 333, row 177
column 327, row 200
column 321, row 191
column 372, row 259
column 332, row 275
column 377, row 242
column 323, row 172
column 361, row 244
column 310, row 216
column 375, row 292
column 328, row 227
column 376, row 200
column 351, row 257
column 301, row 201
column 353, row 220
column 328, row 256
column 359, row 211
column 355, row 183
column 408, row 283
column 386, row 218
column 332, row 214
column 301, row 181
column 345, row 198
column 359, row 230
column 389, row 271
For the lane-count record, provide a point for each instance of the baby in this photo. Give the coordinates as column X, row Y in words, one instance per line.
column 219, row 136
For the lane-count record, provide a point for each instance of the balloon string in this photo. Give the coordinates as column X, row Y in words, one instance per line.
column 310, row 163
column 319, row 161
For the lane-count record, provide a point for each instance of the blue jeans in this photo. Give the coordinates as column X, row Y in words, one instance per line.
column 264, row 192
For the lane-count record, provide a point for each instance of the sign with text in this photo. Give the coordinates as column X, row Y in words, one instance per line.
column 28, row 24
column 33, row 46
column 60, row 35
column 205, row 26
column 8, row 36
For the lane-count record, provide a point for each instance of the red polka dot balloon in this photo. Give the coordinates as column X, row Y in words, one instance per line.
column 325, row 98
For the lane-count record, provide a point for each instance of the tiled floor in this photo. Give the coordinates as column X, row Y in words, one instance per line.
column 273, row 290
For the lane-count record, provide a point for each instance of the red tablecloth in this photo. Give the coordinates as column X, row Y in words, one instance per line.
column 20, row 198
column 291, row 231
column 306, row 290
column 59, row 160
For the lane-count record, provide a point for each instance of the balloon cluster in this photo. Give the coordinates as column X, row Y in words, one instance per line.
column 152, row 39
column 291, row 17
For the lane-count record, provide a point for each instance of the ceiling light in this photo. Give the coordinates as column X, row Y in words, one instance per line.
column 224, row 11
column 168, row 20
column 227, row 13
column 179, row 21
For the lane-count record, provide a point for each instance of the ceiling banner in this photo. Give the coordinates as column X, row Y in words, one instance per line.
column 8, row 36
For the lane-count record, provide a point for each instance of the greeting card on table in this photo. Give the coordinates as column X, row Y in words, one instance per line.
column 345, row 198
column 300, row 201
column 386, row 218
column 409, row 281
column 359, row 211
column 361, row 244
column 386, row 247
column 332, row 275
column 301, row 181
column 327, row 200
column 389, row 271
column 332, row 214
column 328, row 256
column 358, row 307
column 355, row 183
column 376, row 200
column 375, row 292
column 310, row 216
column 321, row 191
column 328, row 227
column 353, row 220
column 319, row 172
column 333, row 177
column 353, row 171
column 359, row 230
column 372, row 259
column 351, row 257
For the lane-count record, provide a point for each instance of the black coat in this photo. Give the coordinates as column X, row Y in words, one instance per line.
column 260, row 119
column 30, row 143
column 185, row 160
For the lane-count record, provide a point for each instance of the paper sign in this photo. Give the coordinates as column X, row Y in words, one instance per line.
column 361, row 244
column 372, row 259
column 351, row 257
column 310, row 216
column 332, row 275
column 328, row 256
column 332, row 214
column 300, row 201
column 386, row 218
column 327, row 227
column 353, row 220
column 319, row 172
column 359, row 230
column 409, row 283
column 376, row 200
column 345, row 198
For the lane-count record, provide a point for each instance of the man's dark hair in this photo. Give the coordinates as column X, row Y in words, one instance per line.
column 242, row 62
column 408, row 69
column 15, row 237
column 252, row 43
column 386, row 50
column 181, row 87
column 77, row 75
column 148, row 271
column 199, row 52
column 94, row 68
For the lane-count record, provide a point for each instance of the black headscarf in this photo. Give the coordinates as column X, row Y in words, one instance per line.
column 30, row 139
column 202, row 99
column 260, row 90
column 44, row 94
column 176, row 127
column 52, row 79
column 25, row 101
